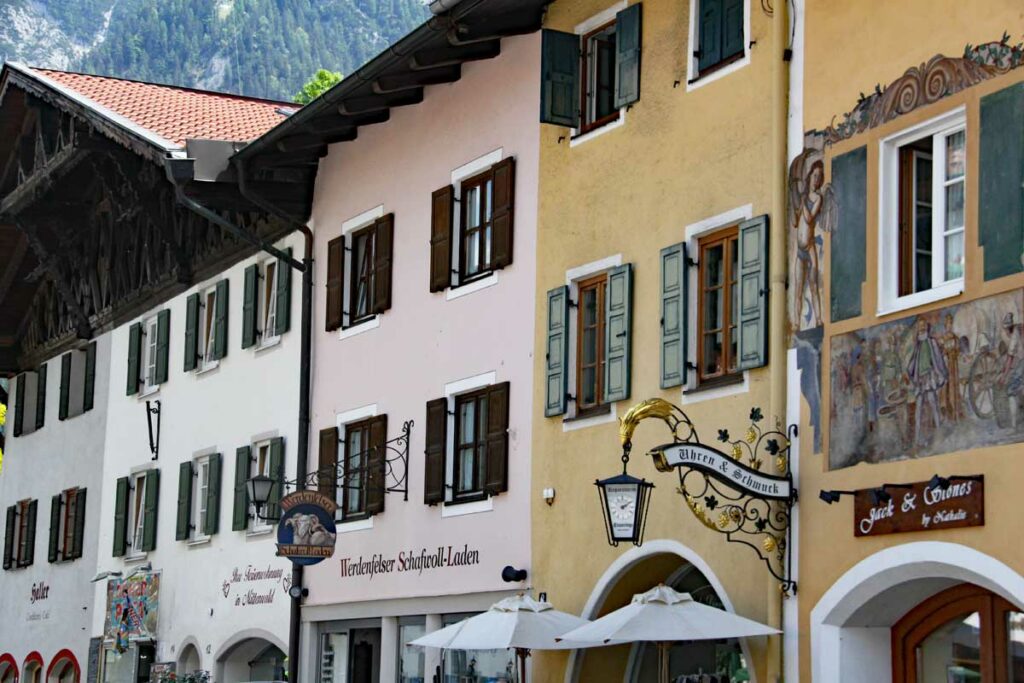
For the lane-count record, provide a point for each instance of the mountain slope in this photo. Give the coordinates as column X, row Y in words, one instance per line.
column 265, row 48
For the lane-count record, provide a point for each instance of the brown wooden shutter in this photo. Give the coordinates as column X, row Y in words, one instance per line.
column 504, row 209
column 496, row 479
column 335, row 282
column 384, row 236
column 437, row 444
column 376, row 464
column 327, row 464
column 441, row 222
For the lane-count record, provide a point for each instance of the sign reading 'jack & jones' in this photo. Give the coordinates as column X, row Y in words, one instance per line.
column 919, row 508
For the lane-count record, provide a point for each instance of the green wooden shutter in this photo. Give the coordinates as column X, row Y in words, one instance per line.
column 89, row 385
column 560, row 78
column 628, row 25
column 848, row 246
column 19, row 405
column 151, row 507
column 674, row 301
column 220, row 321
column 384, row 239
column 191, row 332
column 184, row 521
column 327, row 463
column 1001, row 181
column 376, row 466
column 65, row 387
column 434, row 456
column 134, row 357
column 240, row 508
column 709, row 40
column 54, row 551
column 442, row 222
column 557, row 352
column 249, row 294
column 732, row 28
column 277, row 474
column 29, row 544
column 283, row 322
column 41, row 396
column 212, row 522
column 163, row 344
column 502, row 221
column 79, row 537
column 618, row 330
column 12, row 521
column 752, row 325
column 496, row 474
column 333, row 316
column 121, row 518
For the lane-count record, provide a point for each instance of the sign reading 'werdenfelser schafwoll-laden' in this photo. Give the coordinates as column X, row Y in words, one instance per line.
column 919, row 508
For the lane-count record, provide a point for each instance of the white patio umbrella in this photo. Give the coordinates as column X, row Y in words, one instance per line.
column 519, row 622
column 663, row 616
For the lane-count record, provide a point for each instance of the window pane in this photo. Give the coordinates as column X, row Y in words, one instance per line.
column 955, row 255
column 604, row 76
column 466, row 422
column 955, row 206
column 334, row 658
column 472, row 200
column 1015, row 647
column 712, row 353
column 714, row 271
column 489, row 200
column 589, row 386
column 411, row 660
column 354, row 472
column 713, row 309
column 480, row 666
column 952, row 653
column 466, row 466
column 473, row 253
column 955, row 157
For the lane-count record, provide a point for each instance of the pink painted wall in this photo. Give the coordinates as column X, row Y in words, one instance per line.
column 426, row 341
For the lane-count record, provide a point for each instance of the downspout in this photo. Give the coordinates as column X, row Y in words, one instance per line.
column 779, row 280
column 305, row 382
column 305, row 367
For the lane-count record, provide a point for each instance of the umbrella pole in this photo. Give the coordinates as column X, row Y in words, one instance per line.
column 663, row 662
column 521, row 655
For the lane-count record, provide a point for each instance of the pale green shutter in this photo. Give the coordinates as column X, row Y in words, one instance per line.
column 627, row 55
column 213, row 496
column 753, row 296
column 249, row 294
column 134, row 357
column 1001, row 181
column 709, row 37
column 191, row 332
column 220, row 321
column 163, row 344
column 89, row 385
column 151, row 504
column 41, row 396
column 848, row 246
column 277, row 474
column 53, row 555
column 284, row 295
column 732, row 28
column 560, row 78
column 184, row 521
column 557, row 352
column 673, row 315
column 618, row 328
column 240, row 511
column 65, row 387
column 121, row 517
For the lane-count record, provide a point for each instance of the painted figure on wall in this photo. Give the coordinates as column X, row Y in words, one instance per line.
column 812, row 212
column 935, row 383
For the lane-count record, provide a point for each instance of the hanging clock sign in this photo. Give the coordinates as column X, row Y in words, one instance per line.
column 725, row 469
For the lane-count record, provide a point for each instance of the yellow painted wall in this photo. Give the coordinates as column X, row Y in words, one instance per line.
column 851, row 47
column 679, row 158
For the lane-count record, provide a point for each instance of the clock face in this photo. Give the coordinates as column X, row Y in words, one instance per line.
column 622, row 510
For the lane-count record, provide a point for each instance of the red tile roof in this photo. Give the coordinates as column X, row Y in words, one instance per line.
column 176, row 113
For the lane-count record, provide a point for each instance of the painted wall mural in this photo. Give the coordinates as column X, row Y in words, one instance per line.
column 939, row 382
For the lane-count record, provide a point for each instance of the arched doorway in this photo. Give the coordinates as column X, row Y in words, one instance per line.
column 8, row 669
column 63, row 668
column 189, row 660
column 32, row 670
column 256, row 657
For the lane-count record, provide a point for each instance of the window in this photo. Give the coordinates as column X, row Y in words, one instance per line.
column 477, row 666
column 265, row 456
column 30, row 401
column 361, row 287
column 198, row 498
column 137, row 513
column 260, row 466
column 597, row 104
column 590, row 326
column 720, row 29
column 470, row 444
column 268, row 301
column 718, row 306
column 67, row 525
column 353, row 489
column 477, row 213
column 148, row 347
column 77, row 382
column 411, row 659
column 364, row 251
column 202, row 490
column 20, row 534
column 208, row 336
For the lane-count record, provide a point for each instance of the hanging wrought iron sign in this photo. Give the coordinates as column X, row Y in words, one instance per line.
column 306, row 533
column 731, row 491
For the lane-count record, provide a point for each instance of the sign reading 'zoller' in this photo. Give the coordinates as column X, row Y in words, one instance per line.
column 724, row 468
column 919, row 508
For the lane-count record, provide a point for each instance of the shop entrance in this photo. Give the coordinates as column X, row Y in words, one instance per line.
column 252, row 660
column 350, row 654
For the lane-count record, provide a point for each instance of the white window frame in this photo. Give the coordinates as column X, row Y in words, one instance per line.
column 452, row 391
column 693, row 78
column 583, row 28
column 455, row 289
column 148, row 354
column 938, row 128
column 348, row 228
column 207, row 329
column 342, row 420
column 266, row 303
column 259, row 525
column 198, row 512
column 136, row 514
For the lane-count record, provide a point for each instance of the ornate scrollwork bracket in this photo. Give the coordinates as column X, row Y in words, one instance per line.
column 732, row 492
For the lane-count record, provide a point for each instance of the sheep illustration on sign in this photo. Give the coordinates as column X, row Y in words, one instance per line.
column 306, row 533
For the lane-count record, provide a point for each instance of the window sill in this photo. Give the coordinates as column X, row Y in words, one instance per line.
column 365, row 326
column 722, row 387
column 575, row 422
column 472, row 286
column 355, row 525
column 134, row 559
column 196, row 542
column 903, row 303
column 145, row 393
column 596, row 411
column 268, row 344
column 208, row 367
column 260, row 531
column 720, row 70
column 579, row 137
column 467, row 506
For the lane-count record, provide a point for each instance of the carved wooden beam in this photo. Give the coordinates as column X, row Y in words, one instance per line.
column 517, row 22
column 430, row 58
column 42, row 179
column 354, row 106
column 417, row 79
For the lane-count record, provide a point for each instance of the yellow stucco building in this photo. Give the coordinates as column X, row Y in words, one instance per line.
column 660, row 274
column 906, row 234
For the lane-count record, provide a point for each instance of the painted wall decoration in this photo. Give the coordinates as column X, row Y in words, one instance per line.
column 132, row 608
column 939, row 382
column 812, row 213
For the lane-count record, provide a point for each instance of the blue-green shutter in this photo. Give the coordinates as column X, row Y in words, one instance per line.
column 65, row 387
column 41, row 396
column 848, row 246
column 284, row 295
column 240, row 511
column 673, row 315
column 19, row 405
column 191, row 332
column 89, row 385
column 249, row 295
column 184, row 520
column 752, row 279
column 557, row 352
column 134, row 357
column 560, row 78
column 220, row 321
column 163, row 344
column 121, row 517
column 709, row 39
column 732, row 28
column 54, row 547
column 277, row 474
column 628, row 31
column 213, row 495
column 1001, row 181
column 618, row 331
column 150, row 505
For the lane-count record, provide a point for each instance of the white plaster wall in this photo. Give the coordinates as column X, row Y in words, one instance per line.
column 61, row 455
column 250, row 393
